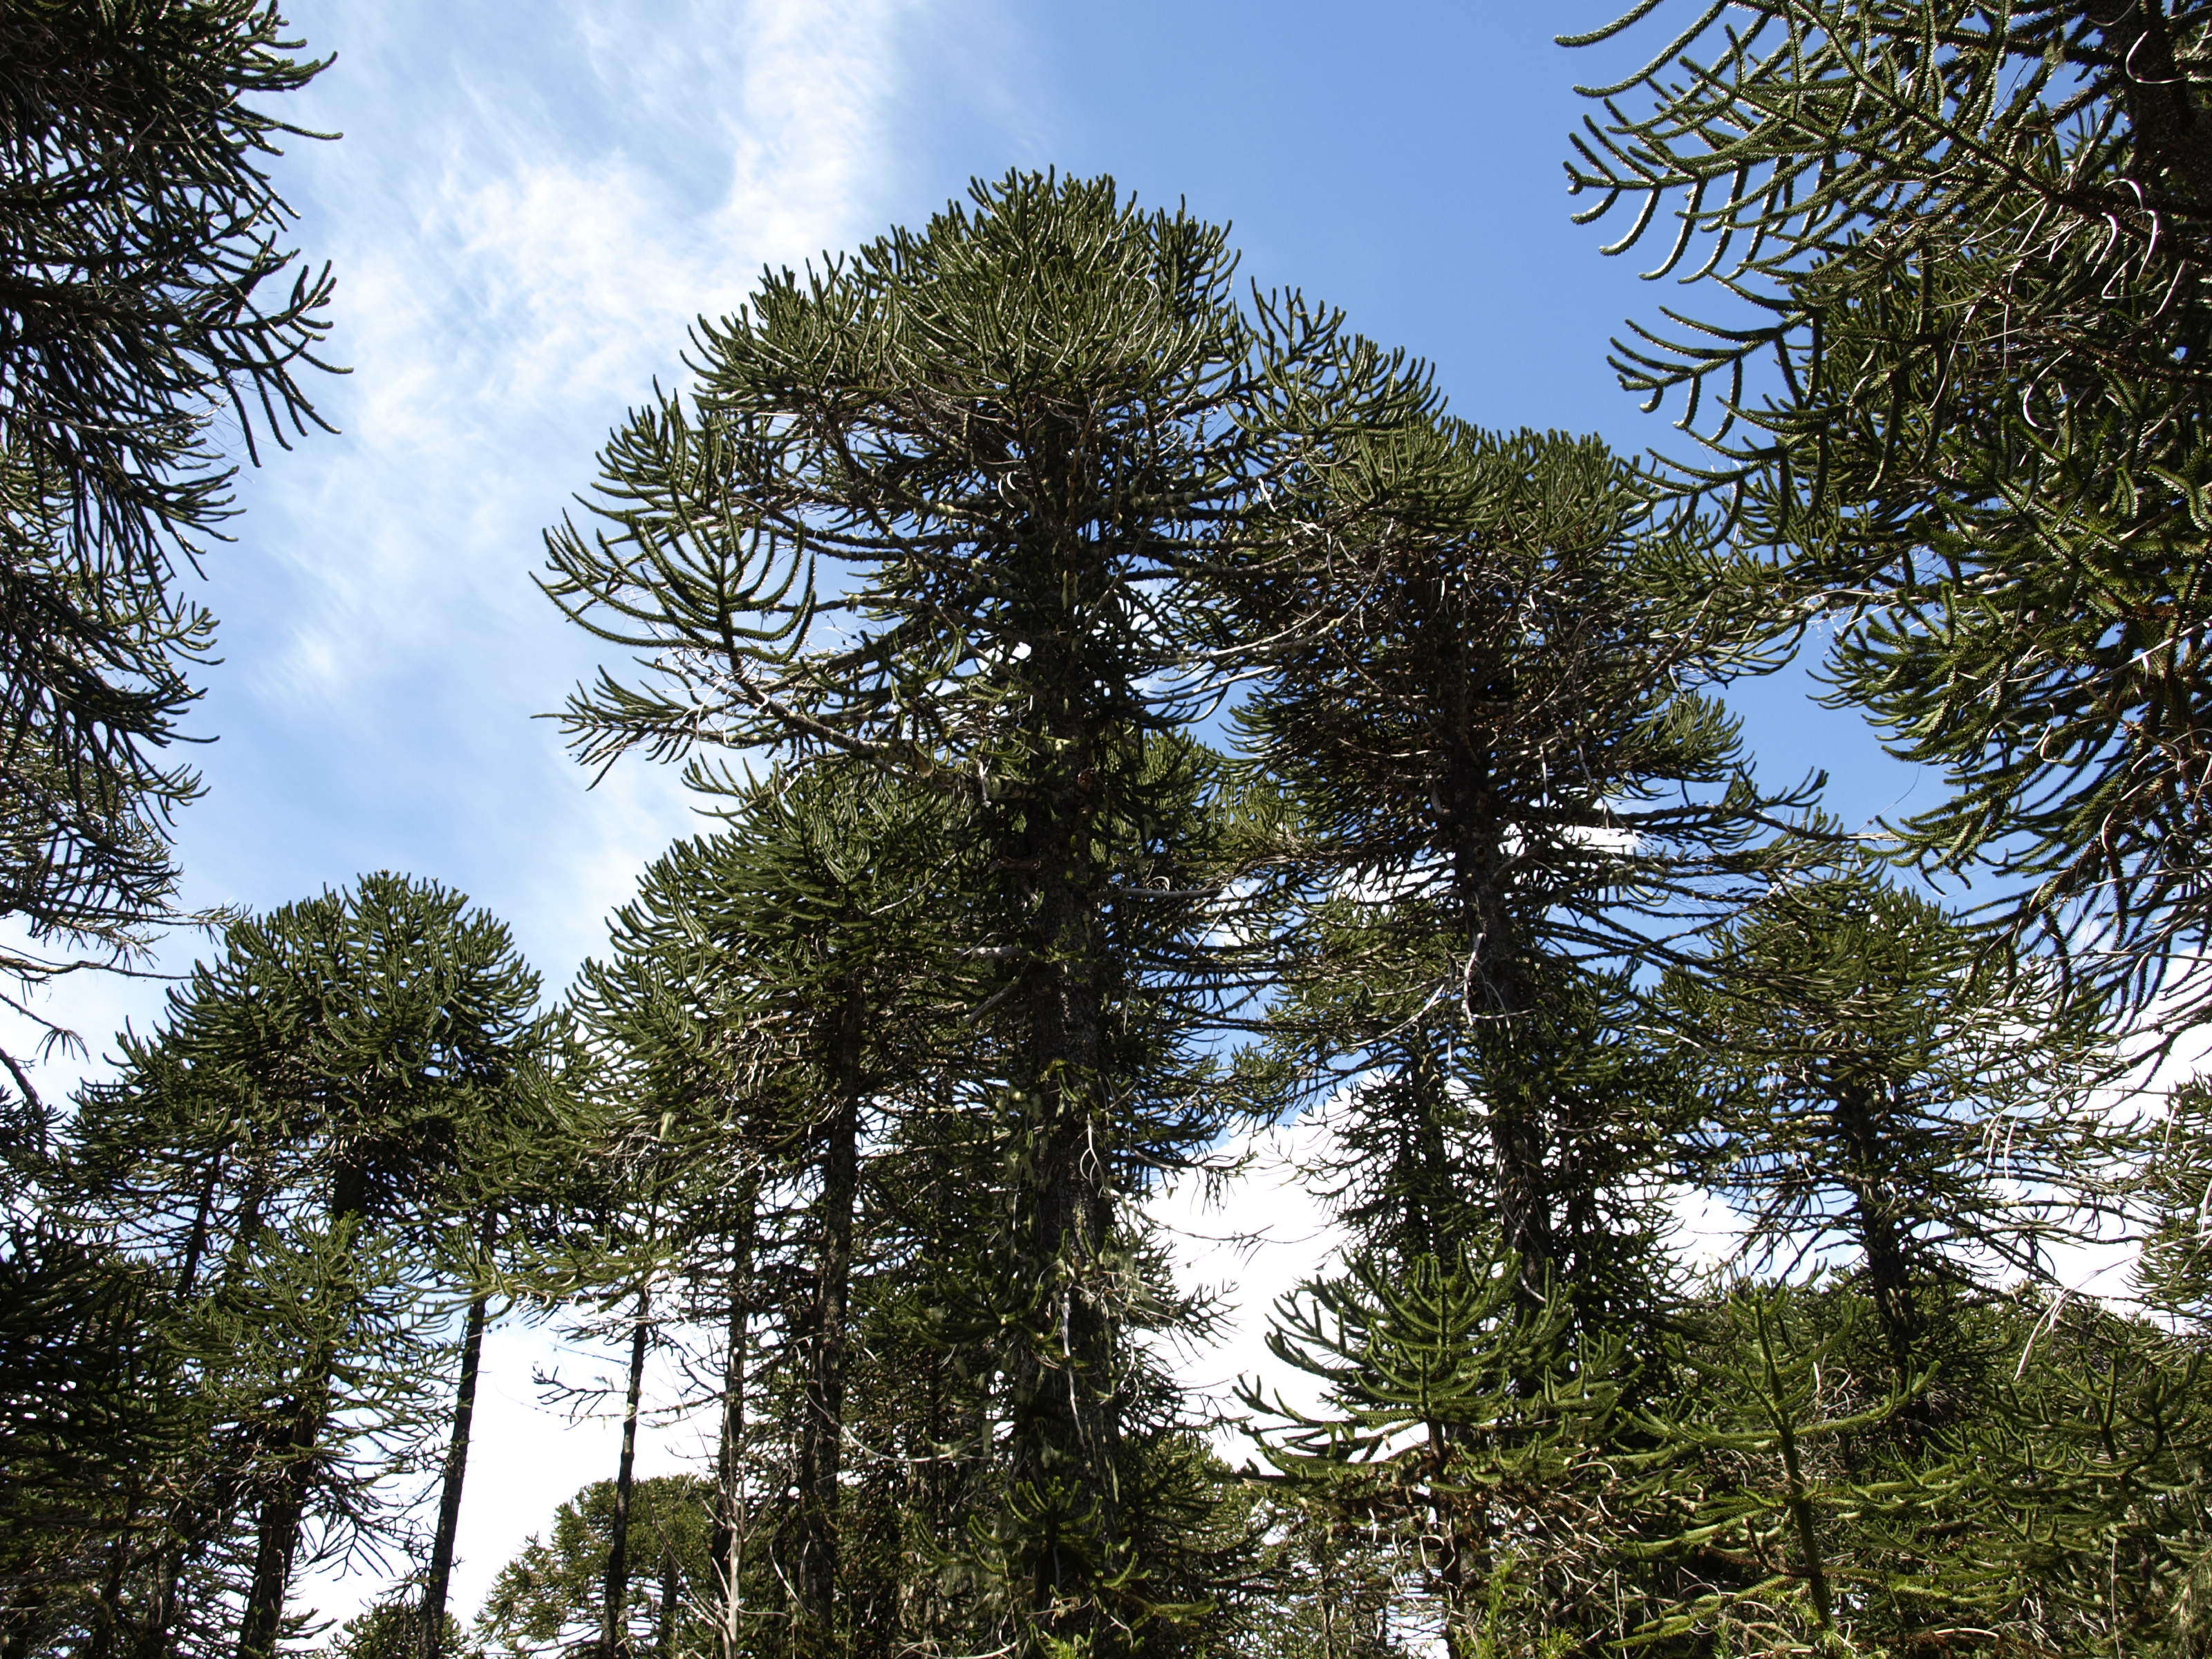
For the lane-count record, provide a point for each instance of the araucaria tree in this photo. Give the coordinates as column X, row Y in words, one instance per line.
column 1508, row 789
column 776, row 1005
column 1872, row 1082
column 1954, row 370
column 935, row 507
column 143, row 287
column 1487, row 700
column 285, row 1151
column 943, row 575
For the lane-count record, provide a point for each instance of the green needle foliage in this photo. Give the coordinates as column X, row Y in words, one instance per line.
column 1873, row 1079
column 779, row 991
column 393, row 1629
column 1807, row 1507
column 1953, row 370
column 2176, row 1270
column 934, row 507
column 86, row 1382
column 1770, row 1486
column 547, row 1601
column 1482, row 702
column 319, row 1104
column 2089, row 1518
column 142, row 288
column 1462, row 1426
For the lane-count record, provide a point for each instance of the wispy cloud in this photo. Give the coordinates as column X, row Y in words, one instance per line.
column 527, row 215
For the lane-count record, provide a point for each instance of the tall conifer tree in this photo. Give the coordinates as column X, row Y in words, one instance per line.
column 1008, row 437
column 278, row 1146
column 143, row 285
column 1870, row 1078
column 781, row 990
column 1483, row 699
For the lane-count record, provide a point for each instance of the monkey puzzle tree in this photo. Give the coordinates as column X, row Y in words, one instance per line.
column 1461, row 1429
column 89, row 1396
column 282, row 1145
column 933, row 507
column 778, row 991
column 550, row 1598
column 1505, row 794
column 142, row 288
column 1871, row 1078
column 1481, row 698
column 1954, row 372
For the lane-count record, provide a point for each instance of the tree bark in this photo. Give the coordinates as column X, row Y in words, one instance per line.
column 615, row 1626
column 1062, row 1452
column 1875, row 1214
column 1498, row 998
column 284, row 1513
column 727, row 1549
column 671, row 1584
column 457, row 1465
column 822, row 1425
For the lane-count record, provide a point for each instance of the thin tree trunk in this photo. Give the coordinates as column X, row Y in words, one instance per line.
column 663, row 1644
column 283, row 1514
column 1495, row 994
column 615, row 1632
column 1881, row 1239
column 726, row 1550
column 822, row 1426
column 168, row 1553
column 457, row 1464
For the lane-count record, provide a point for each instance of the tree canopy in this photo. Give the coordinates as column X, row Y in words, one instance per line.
column 1132, row 714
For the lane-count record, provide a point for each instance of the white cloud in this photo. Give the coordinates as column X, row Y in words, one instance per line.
column 1247, row 1240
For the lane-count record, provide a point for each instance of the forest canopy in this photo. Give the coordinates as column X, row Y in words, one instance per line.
column 1130, row 712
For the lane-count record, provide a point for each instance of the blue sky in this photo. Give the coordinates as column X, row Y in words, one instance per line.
column 531, row 203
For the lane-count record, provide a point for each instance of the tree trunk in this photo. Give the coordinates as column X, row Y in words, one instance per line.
column 615, row 1629
column 168, row 1553
column 1881, row 1236
column 457, row 1465
column 283, row 1514
column 2170, row 133
column 727, row 1549
column 1495, row 994
column 671, row 1584
column 1063, row 1452
column 822, row 1425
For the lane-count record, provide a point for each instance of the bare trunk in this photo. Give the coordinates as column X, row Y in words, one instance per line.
column 457, row 1465
column 1063, row 1453
column 1498, row 998
column 671, row 1584
column 615, row 1627
column 822, row 1427
column 727, row 1549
